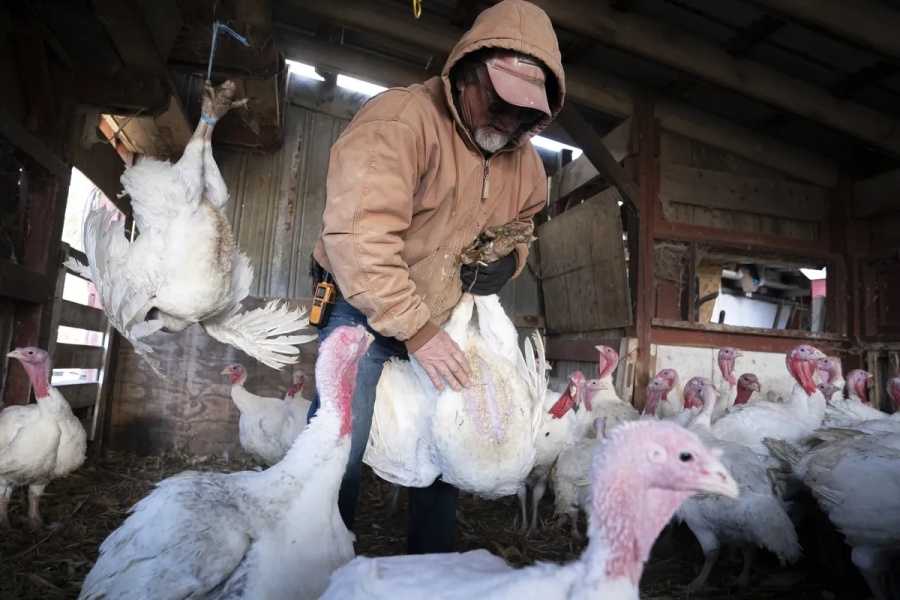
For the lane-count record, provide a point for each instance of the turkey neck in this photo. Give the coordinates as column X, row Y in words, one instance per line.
column 743, row 395
column 704, row 417
column 626, row 520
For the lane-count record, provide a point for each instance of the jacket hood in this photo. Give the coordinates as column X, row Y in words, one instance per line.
column 513, row 25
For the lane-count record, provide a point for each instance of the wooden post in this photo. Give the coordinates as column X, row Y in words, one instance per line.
column 645, row 139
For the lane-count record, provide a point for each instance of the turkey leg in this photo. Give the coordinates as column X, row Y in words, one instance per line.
column 5, row 493
column 744, row 577
column 711, row 556
column 522, row 493
column 34, row 512
column 539, row 488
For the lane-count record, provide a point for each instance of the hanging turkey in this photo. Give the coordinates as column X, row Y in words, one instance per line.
column 184, row 267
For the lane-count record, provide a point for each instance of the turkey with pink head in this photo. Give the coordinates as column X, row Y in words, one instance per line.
column 38, row 442
column 642, row 474
column 275, row 534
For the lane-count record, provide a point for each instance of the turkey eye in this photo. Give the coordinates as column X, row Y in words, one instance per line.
column 685, row 457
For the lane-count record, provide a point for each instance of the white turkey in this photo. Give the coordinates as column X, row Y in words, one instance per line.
column 726, row 358
column 38, row 442
column 748, row 424
column 480, row 440
column 262, row 421
column 607, row 405
column 183, row 267
column 856, row 482
column 854, row 406
column 275, row 534
column 296, row 409
column 672, row 401
column 559, row 429
column 643, row 473
column 757, row 519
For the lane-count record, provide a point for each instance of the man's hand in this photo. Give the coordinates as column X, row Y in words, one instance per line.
column 484, row 280
column 442, row 355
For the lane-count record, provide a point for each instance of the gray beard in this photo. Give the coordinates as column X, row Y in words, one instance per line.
column 490, row 142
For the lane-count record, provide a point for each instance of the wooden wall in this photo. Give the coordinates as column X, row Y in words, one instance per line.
column 709, row 187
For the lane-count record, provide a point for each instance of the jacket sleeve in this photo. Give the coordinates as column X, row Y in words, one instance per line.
column 536, row 201
column 372, row 175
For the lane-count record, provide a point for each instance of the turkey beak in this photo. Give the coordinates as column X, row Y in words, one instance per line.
column 225, row 371
column 15, row 354
column 756, row 386
column 716, row 480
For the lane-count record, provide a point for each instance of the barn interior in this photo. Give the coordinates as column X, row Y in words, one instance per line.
column 724, row 174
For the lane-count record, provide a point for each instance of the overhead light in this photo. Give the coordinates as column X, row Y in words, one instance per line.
column 814, row 274
column 303, row 70
column 554, row 146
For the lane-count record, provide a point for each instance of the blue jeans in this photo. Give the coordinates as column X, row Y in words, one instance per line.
column 432, row 510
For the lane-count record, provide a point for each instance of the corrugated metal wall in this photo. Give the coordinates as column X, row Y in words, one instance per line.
column 277, row 202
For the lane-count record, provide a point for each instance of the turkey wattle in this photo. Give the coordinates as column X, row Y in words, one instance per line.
column 184, row 267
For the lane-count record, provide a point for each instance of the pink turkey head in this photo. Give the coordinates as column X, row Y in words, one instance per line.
column 37, row 364
column 646, row 470
column 670, row 375
column 746, row 385
column 609, row 358
column 828, row 390
column 336, row 368
column 726, row 359
column 893, row 390
column 569, row 398
column 858, row 383
column 704, row 390
column 298, row 381
column 829, row 369
column 655, row 390
column 236, row 373
column 691, row 399
column 801, row 363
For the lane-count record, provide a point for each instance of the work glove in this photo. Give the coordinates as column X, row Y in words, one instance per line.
column 484, row 280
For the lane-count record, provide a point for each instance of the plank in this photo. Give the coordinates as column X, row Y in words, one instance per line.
column 715, row 189
column 581, row 172
column 21, row 283
column 77, row 356
column 82, row 316
column 80, row 395
column 582, row 268
column 597, row 152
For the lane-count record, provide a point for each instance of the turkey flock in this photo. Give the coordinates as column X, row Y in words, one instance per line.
column 739, row 470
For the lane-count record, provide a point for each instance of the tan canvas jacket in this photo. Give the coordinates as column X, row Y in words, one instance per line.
column 408, row 189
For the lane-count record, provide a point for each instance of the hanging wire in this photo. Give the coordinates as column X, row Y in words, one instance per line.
column 417, row 8
column 215, row 33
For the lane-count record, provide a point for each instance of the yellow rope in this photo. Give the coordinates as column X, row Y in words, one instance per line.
column 417, row 8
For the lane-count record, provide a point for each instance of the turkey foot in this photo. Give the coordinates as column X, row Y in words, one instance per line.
column 497, row 242
column 216, row 104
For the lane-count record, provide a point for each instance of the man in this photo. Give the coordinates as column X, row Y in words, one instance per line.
column 413, row 180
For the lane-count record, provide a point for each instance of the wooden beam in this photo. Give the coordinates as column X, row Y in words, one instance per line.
column 82, row 316
column 25, row 141
column 867, row 22
column 22, row 283
column 593, row 147
column 876, row 195
column 645, row 141
column 588, row 88
column 581, row 172
column 711, row 335
column 595, row 19
column 122, row 94
column 344, row 59
column 742, row 240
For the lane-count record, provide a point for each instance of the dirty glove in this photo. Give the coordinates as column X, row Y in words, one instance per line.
column 484, row 280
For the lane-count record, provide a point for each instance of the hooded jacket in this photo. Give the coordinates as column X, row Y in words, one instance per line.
column 408, row 189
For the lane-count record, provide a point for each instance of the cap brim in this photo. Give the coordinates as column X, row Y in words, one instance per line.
column 518, row 91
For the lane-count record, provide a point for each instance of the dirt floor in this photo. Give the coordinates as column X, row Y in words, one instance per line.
column 81, row 510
